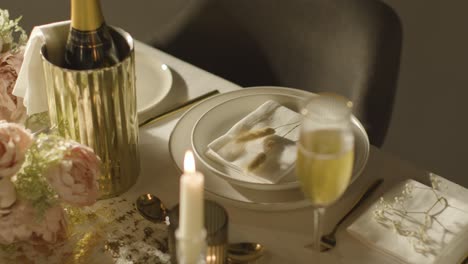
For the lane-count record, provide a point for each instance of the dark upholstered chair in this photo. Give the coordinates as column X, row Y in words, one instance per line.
column 347, row 46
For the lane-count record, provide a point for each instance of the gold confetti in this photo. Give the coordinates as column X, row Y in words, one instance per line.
column 84, row 246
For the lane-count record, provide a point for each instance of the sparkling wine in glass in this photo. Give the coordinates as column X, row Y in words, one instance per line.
column 325, row 153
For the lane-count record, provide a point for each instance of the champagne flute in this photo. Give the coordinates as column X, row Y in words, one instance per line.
column 325, row 153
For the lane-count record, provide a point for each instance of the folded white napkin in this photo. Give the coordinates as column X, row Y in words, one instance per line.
column 447, row 226
column 236, row 152
column 30, row 83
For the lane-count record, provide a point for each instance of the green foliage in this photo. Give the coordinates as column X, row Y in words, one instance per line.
column 8, row 29
column 31, row 184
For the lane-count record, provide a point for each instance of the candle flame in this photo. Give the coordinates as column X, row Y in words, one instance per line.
column 189, row 162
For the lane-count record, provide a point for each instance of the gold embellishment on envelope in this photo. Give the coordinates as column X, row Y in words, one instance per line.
column 424, row 226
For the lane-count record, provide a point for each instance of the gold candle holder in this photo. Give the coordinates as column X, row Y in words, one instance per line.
column 98, row 108
column 217, row 227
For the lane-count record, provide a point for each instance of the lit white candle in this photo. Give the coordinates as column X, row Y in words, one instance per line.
column 191, row 214
column 191, row 208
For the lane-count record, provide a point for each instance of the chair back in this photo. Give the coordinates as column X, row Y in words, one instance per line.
column 351, row 47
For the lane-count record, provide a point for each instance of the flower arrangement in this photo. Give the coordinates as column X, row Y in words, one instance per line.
column 11, row 57
column 39, row 174
column 8, row 29
column 49, row 185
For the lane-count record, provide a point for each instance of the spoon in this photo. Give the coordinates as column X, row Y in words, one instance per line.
column 244, row 252
column 152, row 208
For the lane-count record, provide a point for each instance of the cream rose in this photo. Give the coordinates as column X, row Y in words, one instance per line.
column 14, row 142
column 75, row 177
column 23, row 224
column 11, row 107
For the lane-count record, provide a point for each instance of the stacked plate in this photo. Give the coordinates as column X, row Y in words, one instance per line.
column 153, row 80
column 213, row 117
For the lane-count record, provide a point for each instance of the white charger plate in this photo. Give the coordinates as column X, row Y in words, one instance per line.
column 153, row 80
column 220, row 118
column 219, row 188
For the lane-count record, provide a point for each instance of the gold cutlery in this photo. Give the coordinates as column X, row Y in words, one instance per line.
column 328, row 241
column 179, row 108
column 245, row 252
column 152, row 208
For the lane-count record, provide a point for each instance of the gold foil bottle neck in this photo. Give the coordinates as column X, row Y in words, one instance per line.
column 86, row 15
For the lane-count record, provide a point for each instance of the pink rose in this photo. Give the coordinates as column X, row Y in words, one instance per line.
column 23, row 224
column 75, row 177
column 14, row 142
column 52, row 228
column 11, row 107
column 7, row 196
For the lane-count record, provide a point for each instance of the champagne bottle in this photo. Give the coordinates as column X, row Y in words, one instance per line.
column 89, row 44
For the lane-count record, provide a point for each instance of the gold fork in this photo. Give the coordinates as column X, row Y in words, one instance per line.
column 328, row 241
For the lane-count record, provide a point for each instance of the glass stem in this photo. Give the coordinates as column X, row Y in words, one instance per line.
column 318, row 226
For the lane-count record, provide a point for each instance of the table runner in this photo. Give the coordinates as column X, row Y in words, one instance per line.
column 111, row 231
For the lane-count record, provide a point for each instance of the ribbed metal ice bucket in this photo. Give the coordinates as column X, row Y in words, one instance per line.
column 98, row 108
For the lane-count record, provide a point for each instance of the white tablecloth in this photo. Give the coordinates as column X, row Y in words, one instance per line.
column 283, row 233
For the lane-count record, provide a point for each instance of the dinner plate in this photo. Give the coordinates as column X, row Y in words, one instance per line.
column 222, row 117
column 153, row 80
column 219, row 188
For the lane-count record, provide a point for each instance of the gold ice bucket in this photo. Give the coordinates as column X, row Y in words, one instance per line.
column 98, row 108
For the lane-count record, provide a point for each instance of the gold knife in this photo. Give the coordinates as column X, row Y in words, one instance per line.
column 178, row 108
